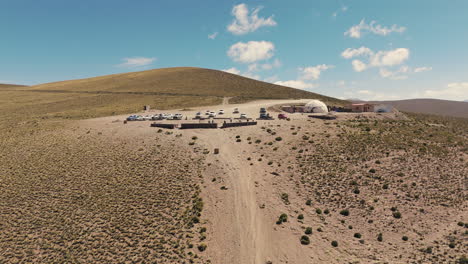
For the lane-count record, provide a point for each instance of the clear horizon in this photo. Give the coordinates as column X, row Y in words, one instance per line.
column 344, row 49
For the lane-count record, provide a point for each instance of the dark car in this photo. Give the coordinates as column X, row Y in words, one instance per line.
column 282, row 116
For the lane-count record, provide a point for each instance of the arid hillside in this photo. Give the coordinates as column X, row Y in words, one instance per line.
column 431, row 106
column 183, row 81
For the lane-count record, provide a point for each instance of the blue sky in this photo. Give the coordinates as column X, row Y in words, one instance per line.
column 348, row 49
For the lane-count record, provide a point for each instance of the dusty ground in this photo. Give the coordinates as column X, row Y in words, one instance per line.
column 308, row 169
column 245, row 186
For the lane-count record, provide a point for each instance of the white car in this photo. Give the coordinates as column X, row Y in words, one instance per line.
column 140, row 118
column 212, row 114
column 147, row 117
column 198, row 115
column 170, row 117
column 243, row 116
column 177, row 117
column 207, row 112
column 221, row 112
column 236, row 111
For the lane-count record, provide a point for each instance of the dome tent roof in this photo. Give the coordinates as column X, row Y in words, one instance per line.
column 316, row 106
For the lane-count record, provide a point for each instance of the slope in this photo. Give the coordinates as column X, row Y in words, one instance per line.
column 431, row 106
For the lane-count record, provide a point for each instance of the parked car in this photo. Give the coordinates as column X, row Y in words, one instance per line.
column 177, row 117
column 207, row 112
column 221, row 112
column 282, row 116
column 139, row 118
column 236, row 111
column 132, row 118
column 198, row 115
column 147, row 117
column 212, row 114
column 243, row 116
column 262, row 110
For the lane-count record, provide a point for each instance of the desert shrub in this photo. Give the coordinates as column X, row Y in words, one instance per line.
column 353, row 182
column 194, row 138
column 309, row 202
column 344, row 212
column 462, row 260
column 258, row 141
column 305, row 240
column 319, row 229
column 378, row 162
column 334, row 243
column 380, row 237
column 326, row 211
column 308, row 231
column 283, row 218
column 191, row 143
column 372, row 170
column 318, row 211
column 285, row 198
column 397, row 215
column 357, row 235
column 356, row 191
column 202, row 247
column 451, row 245
column 350, row 227
column 270, row 162
column 385, row 186
column 278, row 138
column 238, row 140
column 300, row 217
column 404, row 238
column 460, row 224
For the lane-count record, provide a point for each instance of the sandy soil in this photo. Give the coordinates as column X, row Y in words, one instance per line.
column 241, row 193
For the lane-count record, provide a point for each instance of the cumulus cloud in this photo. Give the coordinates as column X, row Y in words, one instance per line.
column 313, row 72
column 356, row 31
column 390, row 58
column 358, row 65
column 135, row 62
column 213, row 36
column 395, row 75
column 362, row 51
column 422, row 69
column 453, row 91
column 299, row 84
column 379, row 59
column 251, row 51
column 244, row 22
column 232, row 70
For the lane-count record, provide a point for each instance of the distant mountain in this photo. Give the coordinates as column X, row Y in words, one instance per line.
column 3, row 86
column 431, row 106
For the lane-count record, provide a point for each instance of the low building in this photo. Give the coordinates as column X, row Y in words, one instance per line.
column 364, row 107
column 367, row 107
column 293, row 108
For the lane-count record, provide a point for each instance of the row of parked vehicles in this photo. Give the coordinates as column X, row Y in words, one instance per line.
column 155, row 117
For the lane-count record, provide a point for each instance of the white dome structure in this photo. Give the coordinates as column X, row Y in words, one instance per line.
column 315, row 106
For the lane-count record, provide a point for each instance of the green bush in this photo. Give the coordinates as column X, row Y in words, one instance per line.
column 405, row 238
column 380, row 237
column 308, row 231
column 318, row 211
column 305, row 240
column 202, row 247
column 397, row 215
column 300, row 217
column 334, row 243
column 309, row 202
column 357, row 235
column 278, row 138
column 344, row 212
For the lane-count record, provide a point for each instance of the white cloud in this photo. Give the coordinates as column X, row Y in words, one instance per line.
column 369, row 95
column 232, row 70
column 362, row 51
column 136, row 62
column 358, row 65
column 313, row 73
column 422, row 69
column 453, row 91
column 268, row 66
column 356, row 31
column 251, row 51
column 390, row 58
column 299, row 84
column 244, row 22
column 380, row 59
column 213, row 36
column 395, row 75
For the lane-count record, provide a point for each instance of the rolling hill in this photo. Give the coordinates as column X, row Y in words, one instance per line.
column 186, row 81
column 431, row 106
column 168, row 88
